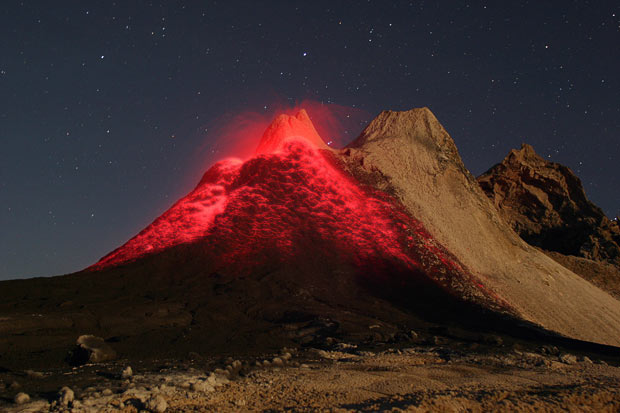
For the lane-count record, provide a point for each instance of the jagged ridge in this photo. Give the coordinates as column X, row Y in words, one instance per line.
column 546, row 204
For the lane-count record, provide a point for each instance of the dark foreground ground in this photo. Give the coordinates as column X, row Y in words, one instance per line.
column 298, row 338
column 449, row 371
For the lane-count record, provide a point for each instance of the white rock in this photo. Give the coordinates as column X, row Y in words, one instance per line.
column 65, row 396
column 126, row 373
column 21, row 398
column 34, row 374
column 157, row 404
column 567, row 358
column 202, row 386
column 287, row 356
column 221, row 380
column 95, row 348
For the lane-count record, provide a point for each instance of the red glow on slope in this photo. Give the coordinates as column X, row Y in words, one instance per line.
column 291, row 198
column 286, row 127
column 235, row 135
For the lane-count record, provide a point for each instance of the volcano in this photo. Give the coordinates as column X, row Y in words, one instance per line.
column 294, row 202
column 303, row 242
column 397, row 207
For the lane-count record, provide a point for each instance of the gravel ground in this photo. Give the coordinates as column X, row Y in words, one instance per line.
column 447, row 377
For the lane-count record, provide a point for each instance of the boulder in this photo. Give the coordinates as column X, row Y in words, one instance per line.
column 92, row 349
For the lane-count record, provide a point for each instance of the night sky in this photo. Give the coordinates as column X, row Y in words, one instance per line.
column 108, row 108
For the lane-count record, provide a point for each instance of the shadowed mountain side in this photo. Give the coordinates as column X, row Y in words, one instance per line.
column 170, row 304
column 424, row 170
column 546, row 204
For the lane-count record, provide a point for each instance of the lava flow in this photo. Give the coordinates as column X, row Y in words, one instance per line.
column 291, row 198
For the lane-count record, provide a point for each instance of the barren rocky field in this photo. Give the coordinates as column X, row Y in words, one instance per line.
column 438, row 373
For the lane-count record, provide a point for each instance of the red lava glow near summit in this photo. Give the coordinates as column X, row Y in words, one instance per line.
column 236, row 135
column 290, row 198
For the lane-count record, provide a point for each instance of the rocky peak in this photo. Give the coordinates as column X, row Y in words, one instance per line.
column 547, row 206
column 526, row 154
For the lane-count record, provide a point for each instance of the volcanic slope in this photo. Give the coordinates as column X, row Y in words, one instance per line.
column 424, row 171
column 291, row 202
column 283, row 248
column 302, row 242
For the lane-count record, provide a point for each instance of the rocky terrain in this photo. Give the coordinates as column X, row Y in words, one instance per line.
column 421, row 166
column 451, row 371
column 546, row 204
column 374, row 277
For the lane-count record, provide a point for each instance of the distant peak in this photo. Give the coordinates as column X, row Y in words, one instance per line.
column 525, row 154
column 285, row 127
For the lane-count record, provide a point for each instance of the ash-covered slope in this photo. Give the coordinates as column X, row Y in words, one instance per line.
column 545, row 203
column 421, row 166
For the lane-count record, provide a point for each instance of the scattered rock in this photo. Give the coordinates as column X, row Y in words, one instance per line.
column 556, row 365
column 287, row 356
column 34, row 374
column 568, row 358
column 157, row 404
column 439, row 341
column 201, row 386
column 65, row 396
column 234, row 368
column 587, row 360
column 21, row 398
column 126, row 373
column 107, row 392
column 551, row 350
column 494, row 340
column 92, row 349
column 277, row 362
column 345, row 347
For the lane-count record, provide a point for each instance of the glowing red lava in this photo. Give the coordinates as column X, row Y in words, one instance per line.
column 291, row 197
